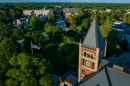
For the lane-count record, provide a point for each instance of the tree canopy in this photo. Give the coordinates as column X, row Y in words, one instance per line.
column 28, row 70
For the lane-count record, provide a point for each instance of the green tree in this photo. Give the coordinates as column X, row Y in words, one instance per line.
column 11, row 12
column 85, row 24
column 8, row 48
column 51, row 19
column 72, row 19
column 34, row 38
column 68, row 51
column 3, row 31
column 118, row 50
column 2, row 15
column 81, row 13
column 36, row 23
column 29, row 70
column 128, row 18
column 16, row 34
column 54, row 32
column 106, row 27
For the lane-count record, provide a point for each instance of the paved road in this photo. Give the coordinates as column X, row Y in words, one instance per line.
column 60, row 22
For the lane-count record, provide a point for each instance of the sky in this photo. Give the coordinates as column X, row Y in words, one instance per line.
column 87, row 1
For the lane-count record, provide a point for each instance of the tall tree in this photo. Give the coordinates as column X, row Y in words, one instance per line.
column 106, row 27
column 51, row 19
column 68, row 51
column 36, row 23
column 8, row 48
column 81, row 13
column 128, row 19
column 2, row 15
column 29, row 70
column 85, row 24
column 34, row 38
column 3, row 30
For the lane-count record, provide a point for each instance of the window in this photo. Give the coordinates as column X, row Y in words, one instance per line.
column 65, row 85
column 91, row 56
column 85, row 54
column 93, row 65
column 82, row 71
column 88, row 55
column 82, row 61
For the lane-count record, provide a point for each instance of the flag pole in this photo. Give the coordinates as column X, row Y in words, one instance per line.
column 31, row 48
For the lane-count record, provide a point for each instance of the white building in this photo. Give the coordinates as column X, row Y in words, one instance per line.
column 43, row 12
column 118, row 22
column 108, row 10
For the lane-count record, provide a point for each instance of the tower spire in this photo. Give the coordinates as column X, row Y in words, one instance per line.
column 93, row 38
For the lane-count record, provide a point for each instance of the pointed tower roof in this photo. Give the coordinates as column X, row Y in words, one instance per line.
column 93, row 38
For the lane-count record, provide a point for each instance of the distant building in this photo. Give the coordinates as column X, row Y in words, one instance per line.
column 123, row 29
column 118, row 22
column 94, row 11
column 43, row 12
column 68, row 11
column 21, row 21
column 128, row 10
column 108, row 10
column 58, row 6
column 119, row 26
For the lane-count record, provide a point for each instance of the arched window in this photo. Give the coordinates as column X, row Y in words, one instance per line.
column 92, row 56
column 83, row 71
column 88, row 55
column 85, row 54
column 65, row 85
column 93, row 65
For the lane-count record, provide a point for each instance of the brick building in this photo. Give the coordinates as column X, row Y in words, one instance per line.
column 94, row 68
column 68, row 11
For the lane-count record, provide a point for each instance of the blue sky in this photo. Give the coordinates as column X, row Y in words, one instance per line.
column 93, row 1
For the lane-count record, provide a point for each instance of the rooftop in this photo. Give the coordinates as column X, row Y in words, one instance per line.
column 107, row 77
column 69, row 10
column 71, row 77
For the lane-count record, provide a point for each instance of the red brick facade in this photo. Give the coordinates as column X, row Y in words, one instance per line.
column 86, row 70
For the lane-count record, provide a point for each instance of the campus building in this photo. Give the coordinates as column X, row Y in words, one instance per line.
column 94, row 68
column 43, row 12
column 67, row 11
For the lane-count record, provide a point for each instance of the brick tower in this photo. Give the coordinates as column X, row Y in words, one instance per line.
column 91, row 51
